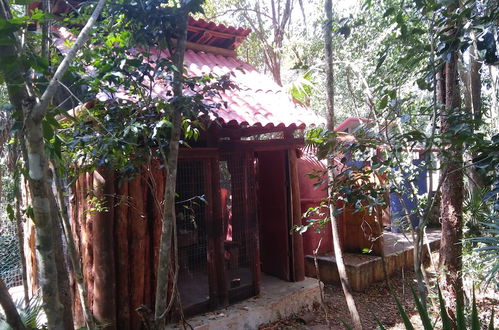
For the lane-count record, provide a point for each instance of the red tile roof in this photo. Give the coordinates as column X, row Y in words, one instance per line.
column 258, row 101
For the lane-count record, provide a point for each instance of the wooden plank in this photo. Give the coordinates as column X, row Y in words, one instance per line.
column 252, row 222
column 260, row 145
column 297, row 248
column 210, row 49
column 236, row 131
column 197, row 153
column 121, row 261
column 103, row 249
column 148, row 262
column 137, row 230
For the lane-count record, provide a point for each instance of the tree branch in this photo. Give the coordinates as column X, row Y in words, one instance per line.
column 13, row 318
column 41, row 107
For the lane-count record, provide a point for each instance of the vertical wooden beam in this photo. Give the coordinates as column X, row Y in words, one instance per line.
column 75, row 231
column 297, row 248
column 121, row 258
column 137, row 231
column 253, row 221
column 217, row 244
column 103, row 248
column 87, row 255
column 148, row 262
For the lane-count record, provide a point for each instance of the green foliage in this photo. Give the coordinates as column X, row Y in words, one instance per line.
column 131, row 60
column 31, row 315
column 471, row 322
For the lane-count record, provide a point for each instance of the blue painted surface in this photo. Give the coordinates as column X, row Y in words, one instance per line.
column 396, row 207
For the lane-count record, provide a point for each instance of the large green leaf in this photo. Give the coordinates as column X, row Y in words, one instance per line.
column 475, row 321
column 446, row 322
column 423, row 311
column 405, row 317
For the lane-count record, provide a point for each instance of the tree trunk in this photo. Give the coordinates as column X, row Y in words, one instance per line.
column 169, row 217
column 13, row 318
column 338, row 253
column 450, row 262
column 19, row 221
column 32, row 112
column 472, row 99
column 65, row 293
column 44, row 216
column 74, row 257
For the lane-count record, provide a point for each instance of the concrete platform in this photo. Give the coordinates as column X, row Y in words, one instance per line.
column 363, row 269
column 278, row 299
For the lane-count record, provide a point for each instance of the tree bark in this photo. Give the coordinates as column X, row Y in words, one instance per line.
column 122, row 256
column 338, row 253
column 450, row 262
column 19, row 222
column 45, row 217
column 60, row 254
column 169, row 217
column 73, row 254
column 13, row 318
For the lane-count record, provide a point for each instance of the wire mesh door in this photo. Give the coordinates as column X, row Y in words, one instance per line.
column 191, row 211
column 240, row 226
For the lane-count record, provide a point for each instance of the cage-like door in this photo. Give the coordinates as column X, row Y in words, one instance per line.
column 240, row 230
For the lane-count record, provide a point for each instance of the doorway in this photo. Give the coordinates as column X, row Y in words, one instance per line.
column 273, row 199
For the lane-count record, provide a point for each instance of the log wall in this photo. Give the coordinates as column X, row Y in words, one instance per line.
column 116, row 225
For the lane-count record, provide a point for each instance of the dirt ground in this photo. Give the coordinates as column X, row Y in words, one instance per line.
column 374, row 301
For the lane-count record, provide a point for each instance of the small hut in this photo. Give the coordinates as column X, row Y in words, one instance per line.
column 238, row 199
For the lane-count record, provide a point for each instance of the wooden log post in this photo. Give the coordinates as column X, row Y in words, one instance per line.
column 137, row 230
column 148, row 202
column 298, row 256
column 86, row 233
column 88, row 254
column 75, row 231
column 253, row 221
column 103, row 249
column 122, row 256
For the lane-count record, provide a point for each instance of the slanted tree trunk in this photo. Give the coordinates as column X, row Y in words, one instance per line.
column 450, row 262
column 338, row 253
column 13, row 318
column 169, row 217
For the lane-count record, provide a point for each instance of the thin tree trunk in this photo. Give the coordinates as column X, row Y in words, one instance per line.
column 494, row 108
column 74, row 257
column 64, row 287
column 19, row 222
column 13, row 318
column 472, row 99
column 338, row 253
column 169, row 217
column 45, row 219
column 450, row 262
